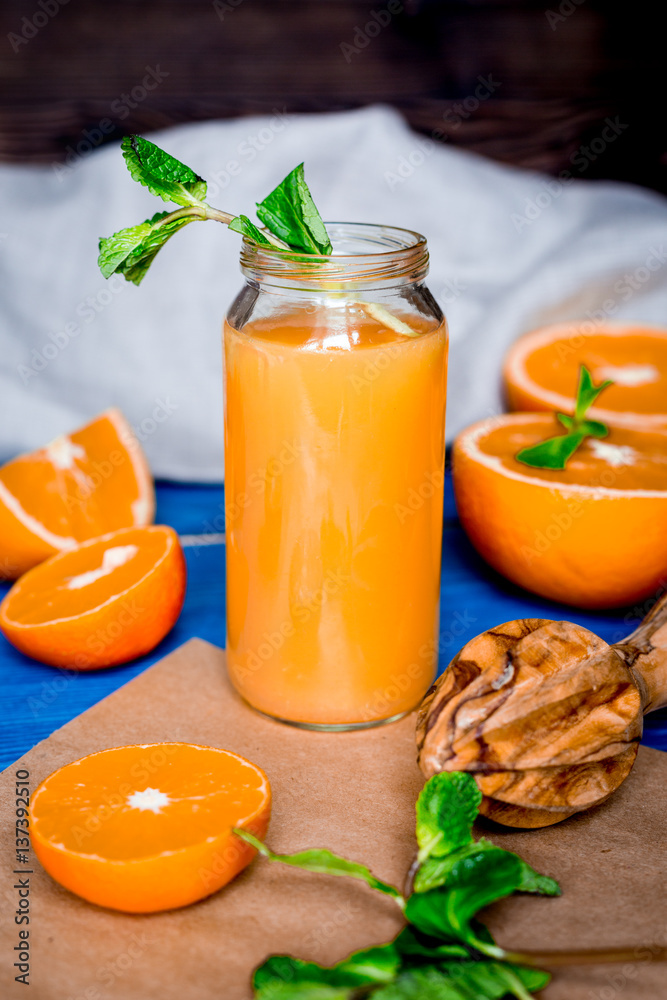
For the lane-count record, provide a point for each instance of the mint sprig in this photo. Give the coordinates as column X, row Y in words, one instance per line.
column 555, row 452
column 443, row 952
column 291, row 219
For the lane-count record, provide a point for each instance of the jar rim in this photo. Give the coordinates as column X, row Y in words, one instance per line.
column 386, row 255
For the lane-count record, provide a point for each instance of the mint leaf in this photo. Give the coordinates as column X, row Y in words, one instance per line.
column 552, row 453
column 445, row 871
column 130, row 252
column 446, row 810
column 290, row 212
column 532, row 881
column 319, row 859
column 163, row 175
column 304, row 991
column 367, row 967
column 464, row 981
column 114, row 250
column 477, row 875
column 434, row 872
column 555, row 452
column 242, row 224
column 415, row 947
column 377, row 965
column 587, row 392
column 518, row 978
column 594, row 428
column 474, row 882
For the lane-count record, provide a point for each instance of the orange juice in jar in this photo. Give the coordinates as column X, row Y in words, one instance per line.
column 335, row 387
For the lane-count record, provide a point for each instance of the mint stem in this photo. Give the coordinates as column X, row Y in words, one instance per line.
column 593, row 956
column 324, row 862
column 204, row 211
column 219, row 216
column 408, row 887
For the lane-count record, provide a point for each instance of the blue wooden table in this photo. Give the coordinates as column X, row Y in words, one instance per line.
column 37, row 699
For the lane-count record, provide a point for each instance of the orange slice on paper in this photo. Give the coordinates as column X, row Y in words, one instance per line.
column 541, row 370
column 79, row 486
column 147, row 828
column 593, row 535
column 107, row 601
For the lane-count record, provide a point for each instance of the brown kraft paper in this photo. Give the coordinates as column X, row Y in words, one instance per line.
column 353, row 793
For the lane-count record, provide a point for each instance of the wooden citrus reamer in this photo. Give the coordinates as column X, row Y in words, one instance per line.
column 545, row 714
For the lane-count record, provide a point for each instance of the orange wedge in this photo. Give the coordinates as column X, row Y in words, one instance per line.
column 104, row 602
column 593, row 535
column 541, row 371
column 147, row 828
column 79, row 486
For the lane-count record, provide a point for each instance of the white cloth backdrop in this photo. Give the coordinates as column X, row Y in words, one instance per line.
column 510, row 249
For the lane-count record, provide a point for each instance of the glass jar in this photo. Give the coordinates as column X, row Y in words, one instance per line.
column 335, row 387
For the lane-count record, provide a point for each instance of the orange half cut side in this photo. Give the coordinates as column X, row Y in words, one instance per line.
column 541, row 371
column 109, row 600
column 149, row 827
column 79, row 486
column 593, row 535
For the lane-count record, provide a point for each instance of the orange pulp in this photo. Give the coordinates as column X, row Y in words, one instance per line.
column 149, row 827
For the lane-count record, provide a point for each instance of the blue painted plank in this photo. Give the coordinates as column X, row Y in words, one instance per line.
column 37, row 699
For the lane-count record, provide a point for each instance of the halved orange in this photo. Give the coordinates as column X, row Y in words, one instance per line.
column 593, row 535
column 149, row 827
column 541, row 371
column 79, row 486
column 104, row 602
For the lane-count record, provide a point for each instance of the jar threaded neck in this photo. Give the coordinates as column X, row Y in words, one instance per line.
column 364, row 255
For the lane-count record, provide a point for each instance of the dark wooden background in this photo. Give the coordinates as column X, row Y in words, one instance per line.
column 563, row 67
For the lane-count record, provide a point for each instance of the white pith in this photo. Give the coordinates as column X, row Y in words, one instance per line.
column 616, row 455
column 112, row 559
column 627, row 375
column 150, row 800
column 62, row 452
